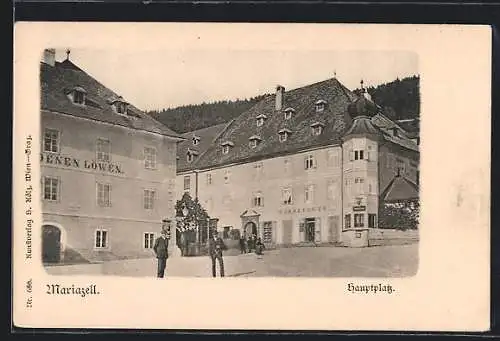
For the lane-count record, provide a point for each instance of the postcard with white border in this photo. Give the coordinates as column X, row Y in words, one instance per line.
column 251, row 176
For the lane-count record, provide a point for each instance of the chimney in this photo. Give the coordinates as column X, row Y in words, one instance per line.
column 280, row 90
column 49, row 57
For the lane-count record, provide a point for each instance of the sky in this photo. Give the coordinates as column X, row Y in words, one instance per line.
column 158, row 79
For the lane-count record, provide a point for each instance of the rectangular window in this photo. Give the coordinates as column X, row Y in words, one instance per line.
column 286, row 165
column 150, row 158
column 331, row 190
column 187, row 183
column 283, row 137
column 359, row 220
column 372, row 220
column 103, row 195
column 209, row 179
column 51, row 188
column 149, row 240
column 149, row 199
column 103, row 150
column 101, row 239
column 359, row 155
column 225, row 232
column 347, row 221
column 78, row 97
column 400, row 168
column 309, row 194
column 286, row 196
column 310, row 162
column 258, row 200
column 258, row 168
column 333, row 158
column 51, row 141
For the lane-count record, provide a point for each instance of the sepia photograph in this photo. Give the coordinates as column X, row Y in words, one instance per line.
column 309, row 177
column 337, row 169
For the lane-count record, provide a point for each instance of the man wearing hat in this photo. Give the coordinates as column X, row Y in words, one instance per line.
column 215, row 247
column 161, row 251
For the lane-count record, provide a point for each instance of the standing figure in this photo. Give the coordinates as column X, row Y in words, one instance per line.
column 161, row 251
column 243, row 248
column 259, row 247
column 215, row 248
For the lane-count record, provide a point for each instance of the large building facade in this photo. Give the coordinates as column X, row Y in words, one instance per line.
column 303, row 166
column 107, row 169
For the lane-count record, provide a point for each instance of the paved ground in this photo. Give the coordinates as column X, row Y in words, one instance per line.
column 381, row 261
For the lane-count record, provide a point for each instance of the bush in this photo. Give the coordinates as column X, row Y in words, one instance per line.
column 403, row 215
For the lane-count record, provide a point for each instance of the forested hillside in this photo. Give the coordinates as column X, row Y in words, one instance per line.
column 193, row 117
column 400, row 100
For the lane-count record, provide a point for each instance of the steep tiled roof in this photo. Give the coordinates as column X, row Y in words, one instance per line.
column 335, row 120
column 334, row 117
column 205, row 138
column 387, row 127
column 56, row 81
column 400, row 188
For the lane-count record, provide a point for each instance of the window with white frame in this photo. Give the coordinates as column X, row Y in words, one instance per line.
column 359, row 184
column 309, row 162
column 196, row 140
column 101, row 239
column 227, row 176
column 149, row 240
column 150, row 157
column 288, row 113
column 320, row 105
column 225, row 149
column 79, row 96
column 359, row 220
column 359, row 154
column 103, row 150
column 103, row 194
column 309, row 194
column 258, row 199
column 372, row 220
column 283, row 136
column 347, row 221
column 316, row 130
column 149, row 199
column 51, row 188
column 258, row 169
column 187, row 183
column 209, row 178
column 286, row 196
column 51, row 140
column 333, row 158
column 286, row 165
column 331, row 190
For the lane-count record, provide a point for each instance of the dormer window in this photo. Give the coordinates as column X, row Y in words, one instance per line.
column 226, row 146
column 288, row 113
column 395, row 131
column 283, row 134
column 77, row 95
column 190, row 155
column 260, row 120
column 254, row 141
column 320, row 105
column 119, row 105
column 196, row 140
column 317, row 128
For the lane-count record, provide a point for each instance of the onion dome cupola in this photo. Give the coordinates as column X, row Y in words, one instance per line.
column 363, row 105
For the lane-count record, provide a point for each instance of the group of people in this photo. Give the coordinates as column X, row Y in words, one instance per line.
column 251, row 244
column 215, row 247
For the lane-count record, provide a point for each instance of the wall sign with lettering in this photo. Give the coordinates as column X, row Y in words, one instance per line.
column 71, row 162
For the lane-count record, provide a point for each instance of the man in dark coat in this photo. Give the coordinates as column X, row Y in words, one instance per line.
column 161, row 251
column 215, row 247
